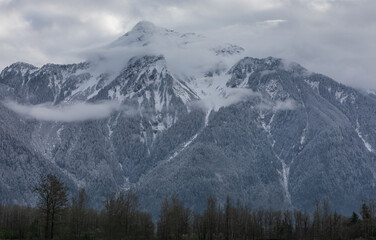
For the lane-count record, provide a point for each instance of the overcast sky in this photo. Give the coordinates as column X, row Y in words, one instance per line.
column 333, row 37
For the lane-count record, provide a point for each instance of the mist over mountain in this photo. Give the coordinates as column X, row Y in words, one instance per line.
column 161, row 112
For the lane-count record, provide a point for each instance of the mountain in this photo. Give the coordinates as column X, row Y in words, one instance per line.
column 207, row 121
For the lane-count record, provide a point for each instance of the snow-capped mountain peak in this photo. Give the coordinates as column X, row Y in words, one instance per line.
column 182, row 113
column 144, row 26
column 145, row 33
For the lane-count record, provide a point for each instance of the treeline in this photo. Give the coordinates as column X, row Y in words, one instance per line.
column 57, row 218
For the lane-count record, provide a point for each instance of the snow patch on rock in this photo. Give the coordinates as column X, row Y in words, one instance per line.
column 366, row 144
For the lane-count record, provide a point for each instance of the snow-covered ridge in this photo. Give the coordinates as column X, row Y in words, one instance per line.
column 19, row 67
column 228, row 49
column 148, row 78
column 246, row 67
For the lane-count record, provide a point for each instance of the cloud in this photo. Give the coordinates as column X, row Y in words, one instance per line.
column 279, row 105
column 214, row 93
column 189, row 55
column 333, row 37
column 273, row 22
column 286, row 105
column 79, row 111
column 226, row 98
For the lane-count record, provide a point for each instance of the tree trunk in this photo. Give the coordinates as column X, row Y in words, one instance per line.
column 52, row 224
column 46, row 232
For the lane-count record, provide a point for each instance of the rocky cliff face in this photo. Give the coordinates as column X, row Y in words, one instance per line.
column 264, row 131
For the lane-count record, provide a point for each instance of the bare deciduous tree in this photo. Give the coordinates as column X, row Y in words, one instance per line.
column 53, row 200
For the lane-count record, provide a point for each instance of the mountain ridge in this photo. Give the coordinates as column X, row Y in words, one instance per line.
column 265, row 131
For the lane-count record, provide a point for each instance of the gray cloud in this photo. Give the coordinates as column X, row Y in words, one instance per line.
column 279, row 105
column 333, row 37
column 215, row 100
column 79, row 111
